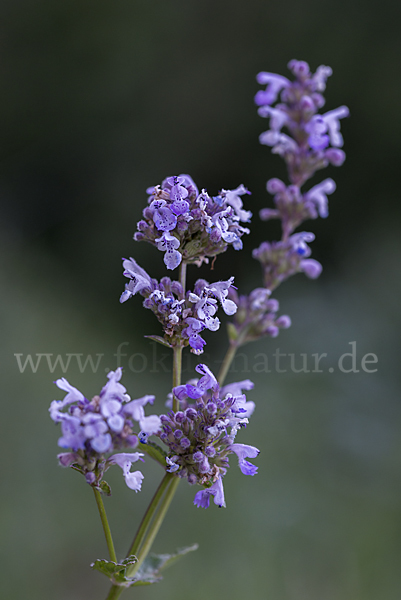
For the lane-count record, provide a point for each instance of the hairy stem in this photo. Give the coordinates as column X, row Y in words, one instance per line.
column 105, row 523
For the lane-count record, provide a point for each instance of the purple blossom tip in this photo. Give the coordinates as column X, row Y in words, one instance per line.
column 312, row 268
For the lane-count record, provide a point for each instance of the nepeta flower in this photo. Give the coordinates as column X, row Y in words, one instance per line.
column 192, row 226
column 306, row 148
column 99, row 426
column 183, row 318
column 282, row 259
column 256, row 316
column 200, row 436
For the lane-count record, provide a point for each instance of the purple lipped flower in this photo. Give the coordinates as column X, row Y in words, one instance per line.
column 318, row 195
column 275, row 83
column 163, row 217
column 66, row 459
column 139, row 279
column 202, row 498
column 124, row 461
column 207, row 382
column 73, row 395
column 243, row 451
column 233, row 198
column 312, row 268
column 332, row 120
column 136, row 411
column 169, row 244
column 73, row 433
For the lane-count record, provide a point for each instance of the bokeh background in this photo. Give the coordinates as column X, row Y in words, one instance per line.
column 101, row 100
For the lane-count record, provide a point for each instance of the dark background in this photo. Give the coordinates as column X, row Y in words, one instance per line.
column 101, row 100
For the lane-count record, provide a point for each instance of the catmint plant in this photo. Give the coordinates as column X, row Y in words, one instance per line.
column 196, row 437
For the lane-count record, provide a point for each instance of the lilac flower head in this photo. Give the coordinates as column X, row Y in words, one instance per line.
column 200, row 437
column 192, row 226
column 183, row 318
column 99, row 426
column 256, row 317
column 306, row 146
column 283, row 259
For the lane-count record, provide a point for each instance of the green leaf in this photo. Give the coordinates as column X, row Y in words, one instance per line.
column 159, row 340
column 116, row 572
column 150, row 570
column 154, row 451
column 105, row 488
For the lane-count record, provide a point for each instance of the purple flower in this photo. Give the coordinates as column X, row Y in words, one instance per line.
column 164, row 218
column 73, row 395
column 139, row 279
column 202, row 498
column 232, row 198
column 332, row 120
column 275, row 83
column 73, row 433
column 135, row 409
column 169, row 244
column 243, row 451
column 125, row 460
column 207, row 382
column 318, row 195
column 312, row 268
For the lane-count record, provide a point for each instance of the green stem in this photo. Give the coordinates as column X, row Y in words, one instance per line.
column 230, row 354
column 153, row 530
column 157, row 509
column 105, row 523
column 182, row 275
column 228, row 359
column 140, row 534
column 177, row 363
column 149, row 528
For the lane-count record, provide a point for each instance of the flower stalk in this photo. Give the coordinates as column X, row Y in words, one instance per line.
column 105, row 525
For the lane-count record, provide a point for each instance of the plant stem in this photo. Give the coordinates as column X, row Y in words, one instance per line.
column 105, row 523
column 228, row 359
column 153, row 530
column 230, row 354
column 182, row 275
column 177, row 362
column 144, row 543
column 157, row 509
column 140, row 534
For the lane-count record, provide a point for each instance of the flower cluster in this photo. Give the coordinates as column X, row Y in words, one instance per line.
column 201, row 435
column 192, row 226
column 91, row 428
column 315, row 139
column 313, row 142
column 183, row 316
column 256, row 316
column 293, row 207
column 282, row 259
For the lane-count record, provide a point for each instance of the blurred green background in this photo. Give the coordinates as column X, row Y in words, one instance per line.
column 101, row 100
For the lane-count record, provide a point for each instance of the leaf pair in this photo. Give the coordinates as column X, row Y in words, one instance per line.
column 148, row 573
